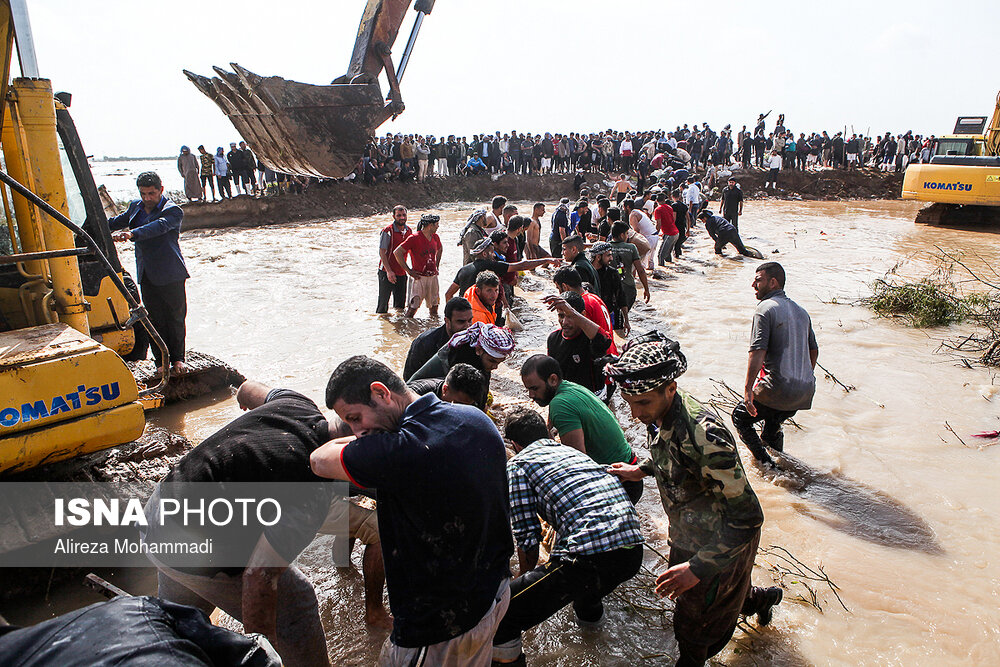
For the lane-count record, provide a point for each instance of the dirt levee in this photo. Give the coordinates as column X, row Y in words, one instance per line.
column 342, row 199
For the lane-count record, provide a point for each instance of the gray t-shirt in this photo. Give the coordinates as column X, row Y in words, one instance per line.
column 783, row 328
column 625, row 254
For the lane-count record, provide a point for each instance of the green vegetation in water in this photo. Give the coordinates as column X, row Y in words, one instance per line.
column 926, row 303
column 939, row 299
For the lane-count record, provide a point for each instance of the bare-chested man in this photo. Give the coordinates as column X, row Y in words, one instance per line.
column 532, row 249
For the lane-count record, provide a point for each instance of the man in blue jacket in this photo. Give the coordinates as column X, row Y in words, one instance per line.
column 154, row 223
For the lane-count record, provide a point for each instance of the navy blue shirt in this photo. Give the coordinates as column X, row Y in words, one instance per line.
column 443, row 514
column 716, row 226
column 560, row 220
column 158, row 258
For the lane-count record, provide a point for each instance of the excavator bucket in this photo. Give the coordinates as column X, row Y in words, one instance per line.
column 299, row 128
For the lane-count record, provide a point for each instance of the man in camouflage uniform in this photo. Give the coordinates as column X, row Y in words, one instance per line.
column 714, row 515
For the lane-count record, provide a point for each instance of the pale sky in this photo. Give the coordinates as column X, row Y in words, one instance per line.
column 539, row 65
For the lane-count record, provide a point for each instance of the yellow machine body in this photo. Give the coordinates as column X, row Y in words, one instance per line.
column 63, row 394
column 952, row 184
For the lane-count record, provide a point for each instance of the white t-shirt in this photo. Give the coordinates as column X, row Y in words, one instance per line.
column 774, row 162
column 693, row 194
column 649, row 207
column 625, row 146
column 646, row 226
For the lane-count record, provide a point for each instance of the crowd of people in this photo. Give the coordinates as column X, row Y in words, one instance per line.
column 458, row 486
column 237, row 170
column 416, row 157
column 698, row 149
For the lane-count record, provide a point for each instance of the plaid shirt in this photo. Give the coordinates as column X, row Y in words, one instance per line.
column 587, row 507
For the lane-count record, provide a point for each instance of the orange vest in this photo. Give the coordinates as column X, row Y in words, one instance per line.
column 480, row 312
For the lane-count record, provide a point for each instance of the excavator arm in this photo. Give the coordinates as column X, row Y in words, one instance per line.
column 992, row 134
column 308, row 130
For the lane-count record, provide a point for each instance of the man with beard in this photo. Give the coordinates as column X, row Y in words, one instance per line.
column 457, row 317
column 578, row 343
column 731, row 206
column 783, row 345
column 582, row 420
column 612, row 290
column 447, row 552
column 573, row 253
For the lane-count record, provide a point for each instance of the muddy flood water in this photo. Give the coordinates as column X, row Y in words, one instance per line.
column 877, row 493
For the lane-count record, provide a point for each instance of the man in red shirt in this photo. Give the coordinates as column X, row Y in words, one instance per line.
column 424, row 249
column 664, row 217
column 391, row 276
column 567, row 279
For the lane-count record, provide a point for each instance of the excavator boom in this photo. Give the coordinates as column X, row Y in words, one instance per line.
column 309, row 130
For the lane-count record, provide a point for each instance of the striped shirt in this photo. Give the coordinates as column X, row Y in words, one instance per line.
column 586, row 506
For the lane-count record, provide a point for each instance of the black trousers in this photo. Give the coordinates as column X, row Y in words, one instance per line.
column 733, row 217
column 770, row 433
column 167, row 306
column 385, row 289
column 582, row 580
column 726, row 239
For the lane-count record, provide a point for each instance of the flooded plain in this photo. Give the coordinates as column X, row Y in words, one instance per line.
column 877, row 493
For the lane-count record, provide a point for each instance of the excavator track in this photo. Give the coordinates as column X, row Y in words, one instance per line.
column 954, row 215
column 206, row 374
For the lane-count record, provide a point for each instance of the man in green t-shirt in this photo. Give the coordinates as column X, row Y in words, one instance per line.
column 582, row 420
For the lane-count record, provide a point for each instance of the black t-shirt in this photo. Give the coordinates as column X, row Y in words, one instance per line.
column 577, row 356
column 586, row 225
column 587, row 272
column 423, row 348
column 731, row 198
column 443, row 514
column 428, row 386
column 680, row 213
column 612, row 291
column 271, row 443
column 466, row 276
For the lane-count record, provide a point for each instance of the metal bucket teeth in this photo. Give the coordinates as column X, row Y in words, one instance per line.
column 297, row 128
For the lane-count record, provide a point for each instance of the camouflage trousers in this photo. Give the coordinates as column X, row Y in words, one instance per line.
column 705, row 617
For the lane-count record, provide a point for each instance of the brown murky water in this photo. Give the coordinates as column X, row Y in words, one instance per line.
column 896, row 511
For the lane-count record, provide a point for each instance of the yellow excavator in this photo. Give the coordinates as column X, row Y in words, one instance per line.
column 962, row 179
column 70, row 315
column 308, row 130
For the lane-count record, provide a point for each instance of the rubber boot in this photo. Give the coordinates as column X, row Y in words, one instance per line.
column 772, row 597
column 777, row 443
column 752, row 441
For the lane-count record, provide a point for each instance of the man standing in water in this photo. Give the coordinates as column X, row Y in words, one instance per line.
column 424, row 249
column 391, row 275
column 153, row 222
column 783, row 346
column 443, row 511
column 533, row 236
column 731, row 206
column 714, row 514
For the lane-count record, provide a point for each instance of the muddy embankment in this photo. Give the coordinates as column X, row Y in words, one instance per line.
column 341, row 199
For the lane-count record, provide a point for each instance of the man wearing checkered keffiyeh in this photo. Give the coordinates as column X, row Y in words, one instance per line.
column 714, row 515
